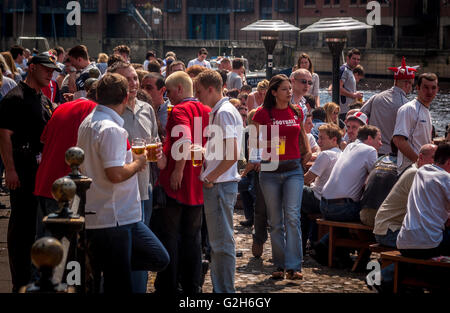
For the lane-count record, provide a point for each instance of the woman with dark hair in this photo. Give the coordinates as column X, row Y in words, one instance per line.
column 282, row 187
column 304, row 61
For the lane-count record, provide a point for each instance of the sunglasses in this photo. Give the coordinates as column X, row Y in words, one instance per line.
column 304, row 81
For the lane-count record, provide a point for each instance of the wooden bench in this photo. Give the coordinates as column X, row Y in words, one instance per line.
column 362, row 242
column 402, row 279
column 376, row 247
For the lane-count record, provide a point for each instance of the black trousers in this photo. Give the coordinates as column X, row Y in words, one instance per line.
column 179, row 229
column 22, row 225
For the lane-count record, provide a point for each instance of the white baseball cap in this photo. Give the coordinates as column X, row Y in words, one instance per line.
column 360, row 116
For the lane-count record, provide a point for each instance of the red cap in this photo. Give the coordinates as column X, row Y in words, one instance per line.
column 404, row 71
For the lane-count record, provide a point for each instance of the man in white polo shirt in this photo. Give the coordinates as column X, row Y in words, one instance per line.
column 413, row 124
column 220, row 178
column 343, row 190
column 118, row 240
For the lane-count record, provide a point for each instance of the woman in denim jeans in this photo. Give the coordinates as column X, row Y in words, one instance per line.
column 282, row 187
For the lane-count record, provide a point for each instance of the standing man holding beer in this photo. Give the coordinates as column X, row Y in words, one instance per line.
column 118, row 241
column 24, row 112
column 140, row 122
column 179, row 223
column 220, row 178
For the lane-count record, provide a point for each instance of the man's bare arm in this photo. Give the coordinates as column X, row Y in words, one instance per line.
column 6, row 151
column 404, row 147
column 122, row 173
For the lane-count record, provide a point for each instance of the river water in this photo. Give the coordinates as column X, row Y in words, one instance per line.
column 440, row 107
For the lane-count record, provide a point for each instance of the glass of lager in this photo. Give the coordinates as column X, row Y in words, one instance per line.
column 169, row 109
column 281, row 146
column 151, row 147
column 138, row 145
column 197, row 155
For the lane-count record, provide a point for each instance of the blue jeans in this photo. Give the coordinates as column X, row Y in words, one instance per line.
column 118, row 251
column 147, row 207
column 340, row 212
column 389, row 240
column 219, row 205
column 246, row 188
column 283, row 197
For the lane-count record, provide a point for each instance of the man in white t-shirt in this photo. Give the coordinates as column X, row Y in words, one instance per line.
column 413, row 124
column 425, row 232
column 116, row 232
column 329, row 138
column 220, row 178
column 201, row 59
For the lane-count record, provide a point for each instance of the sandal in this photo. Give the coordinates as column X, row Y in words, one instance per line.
column 294, row 275
column 278, row 274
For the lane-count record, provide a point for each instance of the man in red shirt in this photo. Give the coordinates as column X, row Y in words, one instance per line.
column 59, row 135
column 179, row 223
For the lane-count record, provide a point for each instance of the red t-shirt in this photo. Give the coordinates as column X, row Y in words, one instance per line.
column 191, row 191
column 51, row 91
column 60, row 134
column 289, row 127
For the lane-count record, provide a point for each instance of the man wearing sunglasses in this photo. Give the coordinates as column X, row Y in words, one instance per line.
column 201, row 59
column 301, row 81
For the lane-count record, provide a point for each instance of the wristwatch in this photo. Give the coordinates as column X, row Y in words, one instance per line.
column 207, row 181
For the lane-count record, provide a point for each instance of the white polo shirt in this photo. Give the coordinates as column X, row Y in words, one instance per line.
column 227, row 118
column 203, row 63
column 428, row 209
column 414, row 123
column 350, row 172
column 105, row 145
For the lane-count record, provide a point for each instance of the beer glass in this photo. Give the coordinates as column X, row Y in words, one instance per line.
column 197, row 155
column 281, row 146
column 138, row 145
column 151, row 147
column 169, row 109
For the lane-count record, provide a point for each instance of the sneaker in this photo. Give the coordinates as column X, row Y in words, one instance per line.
column 257, row 249
column 278, row 274
column 293, row 275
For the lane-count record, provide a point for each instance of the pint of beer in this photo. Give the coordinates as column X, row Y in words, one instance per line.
column 281, row 146
column 169, row 109
column 151, row 147
column 197, row 155
column 138, row 146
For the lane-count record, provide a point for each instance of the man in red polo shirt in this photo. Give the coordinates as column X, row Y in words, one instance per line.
column 59, row 135
column 179, row 223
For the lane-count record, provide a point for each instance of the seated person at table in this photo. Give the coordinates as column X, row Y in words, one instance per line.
column 390, row 215
column 329, row 137
column 342, row 192
column 425, row 231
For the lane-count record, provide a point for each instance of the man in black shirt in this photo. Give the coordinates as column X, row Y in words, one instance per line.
column 24, row 112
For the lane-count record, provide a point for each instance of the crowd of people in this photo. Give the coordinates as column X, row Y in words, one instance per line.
column 288, row 157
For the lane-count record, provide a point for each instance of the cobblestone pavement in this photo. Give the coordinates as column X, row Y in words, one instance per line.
column 253, row 274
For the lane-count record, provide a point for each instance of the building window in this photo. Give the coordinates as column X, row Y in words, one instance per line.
column 284, row 6
column 353, row 2
column 310, row 3
column 265, row 8
column 19, row 6
column 364, row 2
column 54, row 25
column 326, row 2
column 243, row 6
column 337, row 2
column 173, row 5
